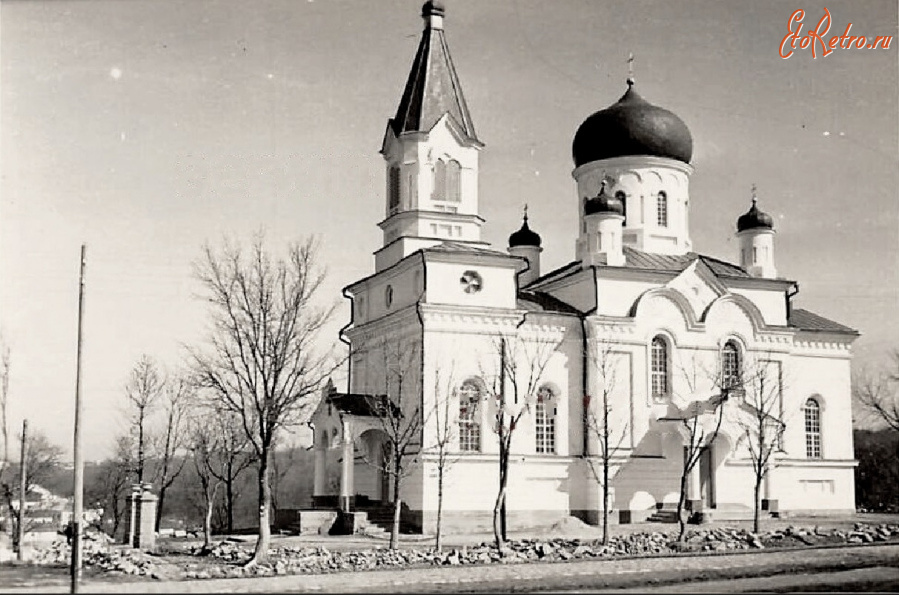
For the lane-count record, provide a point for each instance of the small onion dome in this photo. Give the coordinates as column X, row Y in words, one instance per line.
column 754, row 219
column 603, row 203
column 433, row 7
column 632, row 126
column 524, row 236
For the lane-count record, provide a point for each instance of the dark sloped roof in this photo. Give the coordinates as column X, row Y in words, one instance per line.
column 637, row 259
column 809, row 321
column 547, row 302
column 459, row 247
column 432, row 90
column 362, row 405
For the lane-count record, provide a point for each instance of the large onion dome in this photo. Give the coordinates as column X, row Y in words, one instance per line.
column 603, row 203
column 754, row 218
column 632, row 126
column 524, row 236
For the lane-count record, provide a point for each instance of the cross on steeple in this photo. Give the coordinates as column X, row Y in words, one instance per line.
column 525, row 212
column 630, row 69
column 754, row 194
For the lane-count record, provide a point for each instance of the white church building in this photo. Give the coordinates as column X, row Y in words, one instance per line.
column 637, row 321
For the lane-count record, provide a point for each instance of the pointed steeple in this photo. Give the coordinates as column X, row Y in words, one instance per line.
column 433, row 88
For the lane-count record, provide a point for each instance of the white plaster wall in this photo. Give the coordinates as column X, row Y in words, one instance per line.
column 498, row 289
column 641, row 179
column 772, row 303
column 617, row 296
column 829, row 380
column 810, row 487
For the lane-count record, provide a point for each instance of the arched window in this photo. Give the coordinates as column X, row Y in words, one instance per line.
column 453, row 181
column 469, row 423
column 731, row 376
column 545, row 421
column 393, row 189
column 659, row 368
column 439, row 180
column 623, row 198
column 662, row 209
column 812, row 414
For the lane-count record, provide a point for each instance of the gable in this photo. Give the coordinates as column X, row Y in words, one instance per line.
column 698, row 285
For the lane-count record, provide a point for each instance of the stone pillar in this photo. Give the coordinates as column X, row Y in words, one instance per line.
column 346, row 469
column 769, row 501
column 145, row 538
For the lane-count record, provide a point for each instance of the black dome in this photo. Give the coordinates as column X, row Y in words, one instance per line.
column 754, row 219
column 632, row 126
column 603, row 203
column 524, row 236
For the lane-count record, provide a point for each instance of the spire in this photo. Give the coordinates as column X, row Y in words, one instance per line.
column 432, row 88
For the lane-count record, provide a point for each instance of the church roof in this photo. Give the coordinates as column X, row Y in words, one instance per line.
column 432, row 88
column 809, row 321
column 648, row 261
column 361, row 404
column 545, row 302
column 462, row 248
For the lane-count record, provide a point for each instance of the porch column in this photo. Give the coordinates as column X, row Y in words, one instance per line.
column 318, row 488
column 769, row 501
column 346, row 468
column 694, row 489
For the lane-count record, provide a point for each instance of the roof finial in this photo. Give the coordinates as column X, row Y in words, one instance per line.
column 754, row 195
column 525, row 213
column 630, row 69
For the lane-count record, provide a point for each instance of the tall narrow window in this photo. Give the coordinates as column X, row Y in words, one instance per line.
column 469, row 426
column 439, row 180
column 393, row 189
column 659, row 368
column 623, row 198
column 453, row 181
column 545, row 421
column 662, row 209
column 812, row 411
column 730, row 366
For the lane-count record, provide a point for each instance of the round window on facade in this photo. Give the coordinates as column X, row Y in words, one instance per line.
column 388, row 296
column 471, row 282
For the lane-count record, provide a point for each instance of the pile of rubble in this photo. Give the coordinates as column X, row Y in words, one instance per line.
column 315, row 560
column 96, row 553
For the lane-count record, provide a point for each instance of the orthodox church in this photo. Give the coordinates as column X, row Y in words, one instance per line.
column 633, row 354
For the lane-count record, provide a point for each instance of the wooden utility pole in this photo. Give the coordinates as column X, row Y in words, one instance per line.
column 78, row 504
column 23, row 469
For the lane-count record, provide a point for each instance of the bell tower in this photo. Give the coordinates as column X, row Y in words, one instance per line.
column 431, row 151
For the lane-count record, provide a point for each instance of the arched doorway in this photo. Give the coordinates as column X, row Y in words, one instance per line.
column 374, row 482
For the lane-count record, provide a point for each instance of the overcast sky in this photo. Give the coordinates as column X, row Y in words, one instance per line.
column 145, row 128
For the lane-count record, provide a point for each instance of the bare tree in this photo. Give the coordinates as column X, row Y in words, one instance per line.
column 176, row 399
column 261, row 361
column 41, row 461
column 445, row 415
column 759, row 417
column 204, row 444
column 515, row 373
column 4, row 419
column 232, row 456
column 700, row 421
column 877, row 392
column 112, row 484
column 143, row 390
column 399, row 415
column 600, row 424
